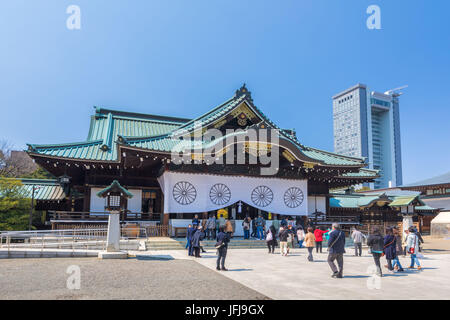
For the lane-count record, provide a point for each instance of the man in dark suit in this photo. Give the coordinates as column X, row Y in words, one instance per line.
column 222, row 238
column 336, row 250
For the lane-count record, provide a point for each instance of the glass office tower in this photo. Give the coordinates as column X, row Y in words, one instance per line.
column 367, row 124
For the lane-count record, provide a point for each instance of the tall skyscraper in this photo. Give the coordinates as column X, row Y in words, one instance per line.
column 367, row 124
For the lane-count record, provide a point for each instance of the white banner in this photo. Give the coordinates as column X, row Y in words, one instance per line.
column 188, row 193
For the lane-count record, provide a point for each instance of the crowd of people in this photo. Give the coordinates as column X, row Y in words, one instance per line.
column 390, row 245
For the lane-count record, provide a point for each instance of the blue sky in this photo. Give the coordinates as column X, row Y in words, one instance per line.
column 181, row 58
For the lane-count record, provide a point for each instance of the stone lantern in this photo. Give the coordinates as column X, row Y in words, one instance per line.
column 115, row 196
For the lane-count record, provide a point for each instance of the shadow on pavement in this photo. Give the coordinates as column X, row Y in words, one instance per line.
column 158, row 257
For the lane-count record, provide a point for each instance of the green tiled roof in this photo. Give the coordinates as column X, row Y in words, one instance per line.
column 114, row 187
column 48, row 190
column 357, row 200
column 362, row 173
column 158, row 133
column 402, row 201
column 424, row 208
column 352, row 201
column 331, row 158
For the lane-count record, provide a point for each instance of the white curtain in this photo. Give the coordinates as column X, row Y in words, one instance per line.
column 187, row 193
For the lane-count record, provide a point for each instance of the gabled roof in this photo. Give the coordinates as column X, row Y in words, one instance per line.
column 441, row 179
column 111, row 129
column 44, row 189
column 362, row 200
column 114, row 187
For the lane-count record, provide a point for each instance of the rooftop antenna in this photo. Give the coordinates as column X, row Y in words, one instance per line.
column 396, row 92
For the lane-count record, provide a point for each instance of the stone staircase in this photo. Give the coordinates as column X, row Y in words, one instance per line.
column 159, row 243
column 180, row 243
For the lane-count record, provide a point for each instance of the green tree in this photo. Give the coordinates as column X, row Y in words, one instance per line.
column 14, row 207
column 39, row 173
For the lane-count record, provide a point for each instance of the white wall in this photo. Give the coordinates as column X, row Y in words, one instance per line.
column 317, row 202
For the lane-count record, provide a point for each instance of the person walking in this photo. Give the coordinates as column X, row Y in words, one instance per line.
column 283, row 235
column 222, row 248
column 376, row 244
column 318, row 233
column 290, row 239
column 271, row 239
column 198, row 236
column 310, row 240
column 336, row 250
column 390, row 248
column 300, row 236
column 246, row 227
column 190, row 234
column 188, row 239
column 211, row 227
column 357, row 237
column 259, row 227
column 399, row 249
column 419, row 236
column 412, row 248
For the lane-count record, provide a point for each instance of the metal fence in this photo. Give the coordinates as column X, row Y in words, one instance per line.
column 87, row 239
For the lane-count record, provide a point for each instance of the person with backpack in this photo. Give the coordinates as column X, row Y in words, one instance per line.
column 336, row 250
column 412, row 247
column 376, row 244
column 399, row 250
column 222, row 247
column 310, row 240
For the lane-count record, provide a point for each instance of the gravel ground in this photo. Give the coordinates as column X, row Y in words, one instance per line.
column 117, row 279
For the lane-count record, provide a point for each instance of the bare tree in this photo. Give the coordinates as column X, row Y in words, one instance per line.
column 14, row 163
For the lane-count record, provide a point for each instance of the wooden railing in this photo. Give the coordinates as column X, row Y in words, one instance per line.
column 339, row 219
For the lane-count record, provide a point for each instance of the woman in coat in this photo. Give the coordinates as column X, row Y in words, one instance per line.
column 310, row 240
column 271, row 239
column 390, row 248
column 412, row 247
column 376, row 244
column 198, row 236
column 399, row 250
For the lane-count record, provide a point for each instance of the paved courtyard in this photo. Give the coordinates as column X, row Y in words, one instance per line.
column 293, row 277
column 117, row 279
column 253, row 274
